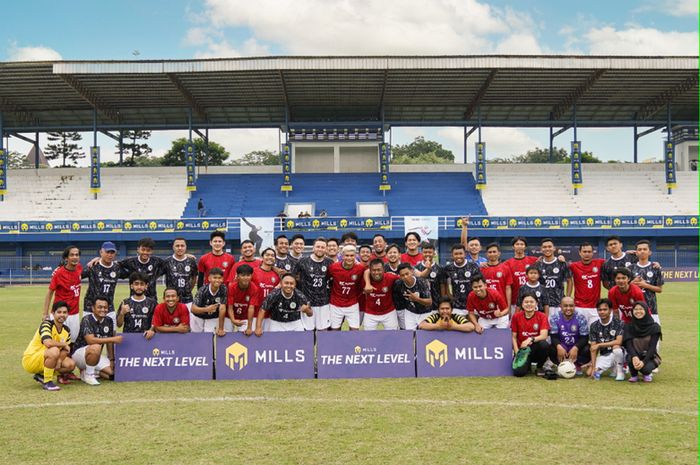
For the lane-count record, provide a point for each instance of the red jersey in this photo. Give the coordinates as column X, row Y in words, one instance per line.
column 208, row 261
column 624, row 301
column 412, row 259
column 163, row 317
column 380, row 300
column 346, row 285
column 384, row 258
column 253, row 264
column 488, row 305
column 266, row 282
column 528, row 327
column 66, row 287
column 241, row 299
column 518, row 271
column 586, row 282
column 497, row 277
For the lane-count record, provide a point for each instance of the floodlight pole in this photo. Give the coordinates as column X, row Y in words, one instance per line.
column 94, row 136
column 576, row 139
column 669, row 137
column 6, row 167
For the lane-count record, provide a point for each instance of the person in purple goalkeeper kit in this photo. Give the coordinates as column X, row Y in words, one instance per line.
column 569, row 335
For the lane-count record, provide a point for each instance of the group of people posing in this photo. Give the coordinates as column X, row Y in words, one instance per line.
column 552, row 307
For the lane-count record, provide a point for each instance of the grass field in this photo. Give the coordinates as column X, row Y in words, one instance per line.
column 402, row 421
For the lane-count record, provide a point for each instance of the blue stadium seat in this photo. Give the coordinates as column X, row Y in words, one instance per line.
column 232, row 195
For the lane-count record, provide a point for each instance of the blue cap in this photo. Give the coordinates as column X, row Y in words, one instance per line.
column 107, row 246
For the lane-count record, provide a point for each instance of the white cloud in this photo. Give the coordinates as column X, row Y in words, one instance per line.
column 373, row 27
column 500, row 142
column 238, row 142
column 678, row 8
column 519, row 44
column 35, row 53
column 641, row 41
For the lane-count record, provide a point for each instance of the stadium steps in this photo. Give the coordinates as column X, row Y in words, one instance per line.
column 412, row 194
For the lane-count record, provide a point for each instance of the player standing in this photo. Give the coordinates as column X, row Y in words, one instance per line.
column 243, row 299
column 434, row 274
column 379, row 247
column 297, row 244
column 416, row 293
column 283, row 262
column 247, row 257
column 136, row 311
column 65, row 287
column 266, row 279
column 102, row 277
column 217, row 258
column 518, row 266
column 460, row 274
column 648, row 277
column 533, row 287
column 412, row 256
column 181, row 271
column 618, row 259
column 332, row 245
column 497, row 274
column 379, row 304
column 473, row 245
column 314, row 284
column 208, row 311
column 346, row 281
column 555, row 275
column 145, row 263
column 585, row 277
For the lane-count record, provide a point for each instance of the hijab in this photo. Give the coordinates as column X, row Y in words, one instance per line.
column 641, row 327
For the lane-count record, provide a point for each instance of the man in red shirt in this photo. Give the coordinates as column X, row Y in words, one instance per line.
column 379, row 304
column 346, row 281
column 171, row 316
column 243, row 300
column 412, row 256
column 217, row 258
column 65, row 284
column 379, row 247
column 488, row 305
column 530, row 328
column 518, row 266
column 586, row 278
column 624, row 295
column 497, row 274
column 247, row 258
column 265, row 277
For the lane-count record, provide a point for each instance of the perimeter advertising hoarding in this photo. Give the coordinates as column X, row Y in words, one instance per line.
column 447, row 354
column 365, row 354
column 271, row 356
column 166, row 357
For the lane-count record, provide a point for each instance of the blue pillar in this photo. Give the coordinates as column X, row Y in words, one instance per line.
column 3, row 176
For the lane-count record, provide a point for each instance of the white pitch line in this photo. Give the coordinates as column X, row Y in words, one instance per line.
column 474, row 403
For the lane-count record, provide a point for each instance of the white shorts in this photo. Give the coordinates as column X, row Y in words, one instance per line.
column 322, row 316
column 412, row 320
column 609, row 361
column 189, row 306
column 278, row 326
column 388, row 320
column 309, row 322
column 502, row 322
column 591, row 314
column 73, row 325
column 201, row 325
column 79, row 359
column 239, row 329
column 351, row 313
column 460, row 311
column 401, row 316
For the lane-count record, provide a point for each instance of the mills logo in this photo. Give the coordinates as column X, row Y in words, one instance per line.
column 236, row 356
column 156, row 352
column 436, row 353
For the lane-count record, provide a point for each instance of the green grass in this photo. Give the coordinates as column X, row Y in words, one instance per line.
column 401, row 421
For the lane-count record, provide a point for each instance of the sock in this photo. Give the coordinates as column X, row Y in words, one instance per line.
column 48, row 374
column 90, row 370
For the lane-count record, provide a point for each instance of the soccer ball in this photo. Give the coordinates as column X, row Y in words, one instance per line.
column 566, row 369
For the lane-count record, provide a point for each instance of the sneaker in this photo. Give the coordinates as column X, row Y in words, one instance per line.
column 647, row 378
column 540, row 371
column 633, row 379
column 39, row 378
column 50, row 386
column 548, row 365
column 63, row 379
column 596, row 376
column 655, row 370
column 620, row 376
column 71, row 377
column 89, row 379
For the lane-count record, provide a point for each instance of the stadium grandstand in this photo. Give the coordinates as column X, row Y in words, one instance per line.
column 336, row 115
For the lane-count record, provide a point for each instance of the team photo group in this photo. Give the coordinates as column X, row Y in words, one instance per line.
column 560, row 325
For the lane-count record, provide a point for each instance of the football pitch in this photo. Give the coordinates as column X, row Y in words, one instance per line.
column 374, row 421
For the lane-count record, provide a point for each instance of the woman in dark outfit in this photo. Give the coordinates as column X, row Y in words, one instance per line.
column 641, row 337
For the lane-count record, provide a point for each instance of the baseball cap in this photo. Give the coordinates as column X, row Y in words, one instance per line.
column 107, row 246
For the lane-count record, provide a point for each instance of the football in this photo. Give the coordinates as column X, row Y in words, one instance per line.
column 566, row 369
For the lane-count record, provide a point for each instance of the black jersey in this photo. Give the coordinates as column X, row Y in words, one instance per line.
column 138, row 319
column 102, row 281
column 460, row 278
column 179, row 274
column 420, row 286
column 653, row 276
column 206, row 297
column 607, row 274
column 90, row 325
column 153, row 269
column 435, row 278
column 313, row 280
column 284, row 309
column 553, row 277
column 599, row 332
column 288, row 264
column 537, row 291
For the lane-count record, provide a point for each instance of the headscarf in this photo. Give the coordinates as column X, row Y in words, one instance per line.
column 641, row 327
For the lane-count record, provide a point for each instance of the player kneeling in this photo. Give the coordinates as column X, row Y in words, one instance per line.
column 96, row 332
column 285, row 306
column 208, row 312
column 489, row 305
column 530, row 330
column 49, row 349
column 605, row 337
column 445, row 320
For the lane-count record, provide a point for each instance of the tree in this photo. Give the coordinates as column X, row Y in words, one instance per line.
column 216, row 153
column 420, row 149
column 16, row 161
column 257, row 158
column 132, row 148
column 64, row 147
column 540, row 155
column 422, row 159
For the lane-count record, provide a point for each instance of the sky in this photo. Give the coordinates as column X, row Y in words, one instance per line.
column 179, row 29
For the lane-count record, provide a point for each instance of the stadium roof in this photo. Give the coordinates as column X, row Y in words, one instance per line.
column 521, row 91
